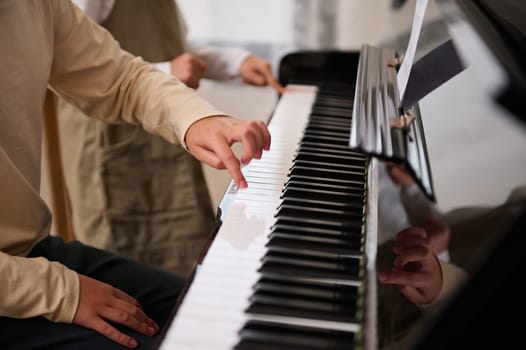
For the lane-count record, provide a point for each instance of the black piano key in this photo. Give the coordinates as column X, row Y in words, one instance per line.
column 333, row 141
column 336, row 89
column 319, row 206
column 358, row 204
column 308, row 265
column 338, row 130
column 309, row 147
column 333, row 101
column 323, row 120
column 325, row 214
column 309, row 243
column 261, row 335
column 320, row 135
column 304, row 307
column 316, row 235
column 343, row 120
column 323, row 223
column 339, row 103
column 330, row 164
column 317, row 254
column 315, row 289
column 297, row 226
column 347, row 200
column 332, row 111
column 318, row 123
column 297, row 306
column 327, row 301
column 325, row 145
column 312, row 193
column 354, row 189
column 330, row 167
column 323, row 180
column 327, row 173
column 349, row 159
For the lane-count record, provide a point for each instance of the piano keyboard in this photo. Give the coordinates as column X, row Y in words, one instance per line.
column 289, row 265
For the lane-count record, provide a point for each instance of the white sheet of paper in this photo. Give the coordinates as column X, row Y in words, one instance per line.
column 407, row 63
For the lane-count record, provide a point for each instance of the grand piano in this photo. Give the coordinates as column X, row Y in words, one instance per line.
column 293, row 264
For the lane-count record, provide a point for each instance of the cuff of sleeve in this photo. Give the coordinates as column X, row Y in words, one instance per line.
column 192, row 117
column 412, row 189
column 233, row 65
column 67, row 308
column 73, row 298
column 452, row 278
column 163, row 67
column 191, row 110
column 444, row 256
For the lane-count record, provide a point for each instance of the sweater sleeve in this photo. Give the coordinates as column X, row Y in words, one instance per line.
column 418, row 207
column 223, row 62
column 92, row 72
column 29, row 286
column 452, row 278
column 23, row 299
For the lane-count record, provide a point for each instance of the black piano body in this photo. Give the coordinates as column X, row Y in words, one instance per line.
column 479, row 314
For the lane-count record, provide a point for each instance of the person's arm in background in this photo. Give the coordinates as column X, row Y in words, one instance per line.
column 219, row 63
column 420, row 211
column 211, row 144
column 420, row 276
column 228, row 63
column 197, row 62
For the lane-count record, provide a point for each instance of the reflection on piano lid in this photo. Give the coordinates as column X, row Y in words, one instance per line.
column 480, row 313
column 380, row 127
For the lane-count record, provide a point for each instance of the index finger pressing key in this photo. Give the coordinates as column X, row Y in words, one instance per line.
column 226, row 154
column 232, row 164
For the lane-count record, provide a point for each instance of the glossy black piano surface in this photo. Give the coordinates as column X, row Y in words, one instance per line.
column 317, row 234
column 481, row 313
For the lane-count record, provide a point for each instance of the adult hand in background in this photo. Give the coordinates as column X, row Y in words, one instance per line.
column 416, row 270
column 257, row 71
column 189, row 69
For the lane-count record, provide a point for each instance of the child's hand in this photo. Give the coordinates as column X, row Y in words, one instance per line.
column 416, row 270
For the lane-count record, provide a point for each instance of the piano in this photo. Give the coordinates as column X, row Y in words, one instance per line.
column 293, row 263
